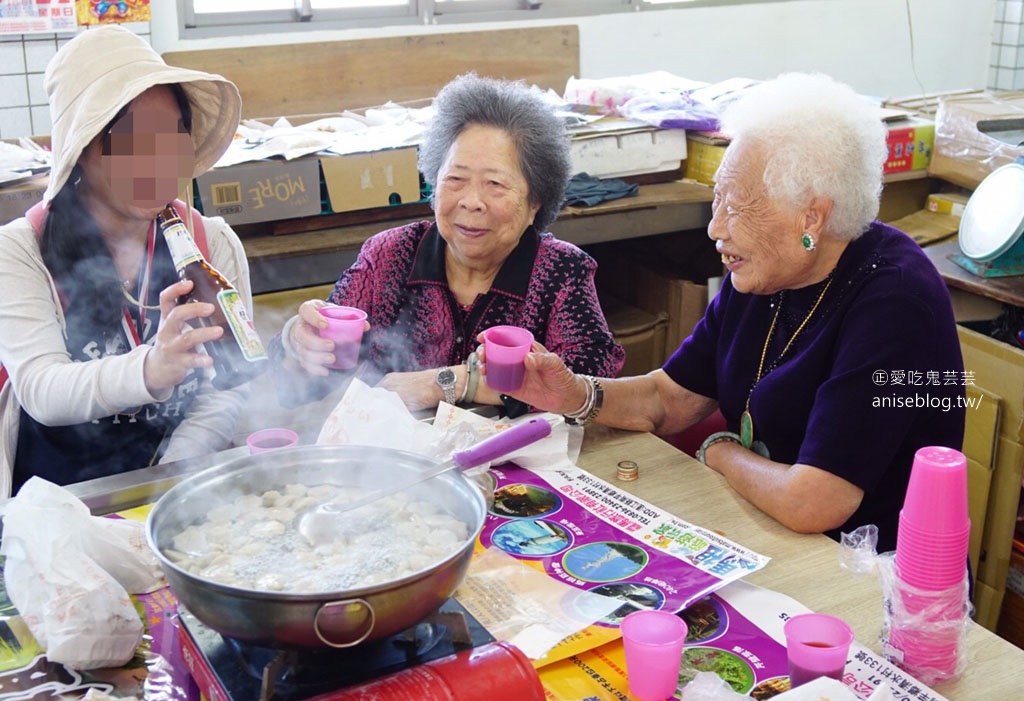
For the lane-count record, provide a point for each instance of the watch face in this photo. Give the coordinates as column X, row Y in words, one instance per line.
column 445, row 377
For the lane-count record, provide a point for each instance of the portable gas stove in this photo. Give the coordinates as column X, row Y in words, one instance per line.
column 226, row 669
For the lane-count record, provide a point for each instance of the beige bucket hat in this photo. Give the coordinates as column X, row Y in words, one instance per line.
column 101, row 70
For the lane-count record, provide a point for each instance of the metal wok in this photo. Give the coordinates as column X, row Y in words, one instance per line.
column 332, row 618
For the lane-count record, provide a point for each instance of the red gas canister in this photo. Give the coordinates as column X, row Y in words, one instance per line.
column 494, row 672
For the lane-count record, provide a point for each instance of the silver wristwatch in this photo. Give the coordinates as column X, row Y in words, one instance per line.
column 446, row 381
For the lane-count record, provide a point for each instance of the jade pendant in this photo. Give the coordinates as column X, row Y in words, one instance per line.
column 746, row 430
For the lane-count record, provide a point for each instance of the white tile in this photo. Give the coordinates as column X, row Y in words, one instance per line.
column 38, row 53
column 993, row 59
column 12, row 58
column 10, row 38
column 1007, row 57
column 1004, row 79
column 13, row 91
column 992, row 74
column 36, row 90
column 41, row 124
column 1011, row 34
column 1000, row 9
column 1013, row 11
column 140, row 28
column 1018, row 61
column 1018, row 80
column 15, row 122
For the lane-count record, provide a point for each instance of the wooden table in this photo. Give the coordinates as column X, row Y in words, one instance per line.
column 1007, row 290
column 804, row 567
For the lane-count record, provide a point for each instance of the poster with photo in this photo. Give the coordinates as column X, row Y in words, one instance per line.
column 112, row 11
column 37, row 16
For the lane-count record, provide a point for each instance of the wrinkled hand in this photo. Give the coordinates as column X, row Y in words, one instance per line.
column 314, row 353
column 179, row 333
column 548, row 384
column 418, row 390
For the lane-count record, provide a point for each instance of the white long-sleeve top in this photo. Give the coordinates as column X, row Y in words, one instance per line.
column 56, row 391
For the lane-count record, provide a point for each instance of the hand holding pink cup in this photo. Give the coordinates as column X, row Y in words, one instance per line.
column 505, row 348
column 345, row 327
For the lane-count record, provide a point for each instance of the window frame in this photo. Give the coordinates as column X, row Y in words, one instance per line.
column 415, row 12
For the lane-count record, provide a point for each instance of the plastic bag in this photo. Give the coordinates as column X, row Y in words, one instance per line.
column 69, row 574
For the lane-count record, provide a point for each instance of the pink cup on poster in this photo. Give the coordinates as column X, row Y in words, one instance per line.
column 817, row 645
column 270, row 439
column 653, row 643
column 345, row 327
column 505, row 348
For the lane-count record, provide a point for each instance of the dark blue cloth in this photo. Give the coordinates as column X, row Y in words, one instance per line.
column 884, row 334
column 585, row 190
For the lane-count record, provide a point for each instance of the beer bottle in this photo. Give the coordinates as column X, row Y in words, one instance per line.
column 238, row 355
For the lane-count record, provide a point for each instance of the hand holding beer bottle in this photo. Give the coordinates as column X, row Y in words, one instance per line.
column 238, row 355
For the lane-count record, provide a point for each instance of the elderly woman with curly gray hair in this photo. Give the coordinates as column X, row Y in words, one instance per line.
column 831, row 349
column 497, row 159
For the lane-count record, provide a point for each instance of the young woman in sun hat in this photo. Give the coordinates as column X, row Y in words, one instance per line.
column 105, row 372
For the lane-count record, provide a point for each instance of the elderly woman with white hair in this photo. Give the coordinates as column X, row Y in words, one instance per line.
column 106, row 372
column 831, row 349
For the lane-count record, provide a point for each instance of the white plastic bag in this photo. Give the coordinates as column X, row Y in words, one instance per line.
column 69, row 573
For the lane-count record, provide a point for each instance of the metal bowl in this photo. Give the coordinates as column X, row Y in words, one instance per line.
column 335, row 618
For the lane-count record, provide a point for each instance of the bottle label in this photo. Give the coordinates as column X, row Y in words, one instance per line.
column 241, row 325
column 181, row 245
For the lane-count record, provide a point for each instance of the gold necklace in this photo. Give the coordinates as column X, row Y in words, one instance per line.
column 746, row 420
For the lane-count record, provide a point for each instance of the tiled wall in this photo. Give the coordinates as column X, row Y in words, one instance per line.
column 1006, row 65
column 23, row 59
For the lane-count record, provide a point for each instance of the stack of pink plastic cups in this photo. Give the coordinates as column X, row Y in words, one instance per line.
column 927, row 593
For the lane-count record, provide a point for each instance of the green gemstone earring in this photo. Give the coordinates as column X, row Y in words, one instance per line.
column 808, row 241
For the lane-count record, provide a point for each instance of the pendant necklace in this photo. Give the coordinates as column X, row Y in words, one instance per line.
column 746, row 420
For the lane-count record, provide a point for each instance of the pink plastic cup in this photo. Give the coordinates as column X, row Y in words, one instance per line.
column 269, row 439
column 936, row 499
column 817, row 645
column 505, row 348
column 344, row 327
column 653, row 643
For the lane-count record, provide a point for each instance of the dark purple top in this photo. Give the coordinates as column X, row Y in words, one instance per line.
column 875, row 374
column 399, row 280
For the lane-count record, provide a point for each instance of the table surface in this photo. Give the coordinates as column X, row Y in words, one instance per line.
column 804, row 567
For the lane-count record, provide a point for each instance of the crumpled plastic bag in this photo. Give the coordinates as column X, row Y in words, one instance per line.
column 708, row 686
column 70, row 573
column 858, row 549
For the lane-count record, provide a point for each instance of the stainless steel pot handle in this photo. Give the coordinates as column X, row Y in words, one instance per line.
column 336, row 622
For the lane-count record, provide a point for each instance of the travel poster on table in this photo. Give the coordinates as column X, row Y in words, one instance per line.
column 736, row 633
column 593, row 536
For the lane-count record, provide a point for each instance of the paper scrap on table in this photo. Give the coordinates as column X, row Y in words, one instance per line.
column 374, row 416
column 524, row 606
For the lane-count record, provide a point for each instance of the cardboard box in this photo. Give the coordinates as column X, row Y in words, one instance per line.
column 967, row 136
column 952, row 203
column 374, row 179
column 640, row 333
column 990, row 364
column 16, row 199
column 1011, row 619
column 619, row 155
column 910, row 143
column 261, row 190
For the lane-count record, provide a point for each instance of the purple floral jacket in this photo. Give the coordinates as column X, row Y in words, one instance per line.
column 545, row 285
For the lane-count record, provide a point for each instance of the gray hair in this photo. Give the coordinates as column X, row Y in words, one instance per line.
column 539, row 136
column 821, row 139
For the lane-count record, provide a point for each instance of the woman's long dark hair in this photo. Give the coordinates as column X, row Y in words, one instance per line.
column 75, row 253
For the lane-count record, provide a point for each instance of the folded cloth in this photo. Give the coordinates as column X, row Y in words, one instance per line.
column 586, row 190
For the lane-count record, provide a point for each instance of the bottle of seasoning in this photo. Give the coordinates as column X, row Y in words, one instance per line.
column 238, row 355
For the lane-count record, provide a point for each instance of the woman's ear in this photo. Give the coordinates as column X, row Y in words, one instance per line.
column 816, row 215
